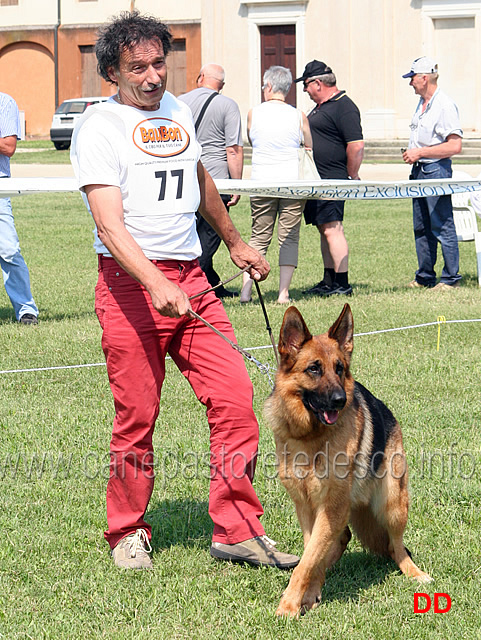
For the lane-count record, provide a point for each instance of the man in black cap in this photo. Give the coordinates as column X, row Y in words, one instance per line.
column 338, row 149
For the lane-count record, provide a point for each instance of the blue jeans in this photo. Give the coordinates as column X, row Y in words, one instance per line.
column 15, row 272
column 433, row 222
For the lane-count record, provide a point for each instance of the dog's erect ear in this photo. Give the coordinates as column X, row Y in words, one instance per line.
column 342, row 331
column 294, row 333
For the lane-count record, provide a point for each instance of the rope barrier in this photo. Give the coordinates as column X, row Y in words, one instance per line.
column 269, row 346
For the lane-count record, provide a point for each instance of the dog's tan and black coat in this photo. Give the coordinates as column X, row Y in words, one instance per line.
column 340, row 455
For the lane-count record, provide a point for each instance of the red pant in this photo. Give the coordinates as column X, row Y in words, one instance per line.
column 135, row 341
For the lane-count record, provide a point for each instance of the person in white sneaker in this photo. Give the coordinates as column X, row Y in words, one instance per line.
column 16, row 276
column 137, row 161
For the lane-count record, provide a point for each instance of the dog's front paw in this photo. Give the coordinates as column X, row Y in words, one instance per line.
column 311, row 600
column 288, row 608
column 423, row 577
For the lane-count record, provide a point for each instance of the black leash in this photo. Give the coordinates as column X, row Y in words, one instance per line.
column 268, row 326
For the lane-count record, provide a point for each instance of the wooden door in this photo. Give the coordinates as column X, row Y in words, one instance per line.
column 177, row 67
column 91, row 82
column 278, row 47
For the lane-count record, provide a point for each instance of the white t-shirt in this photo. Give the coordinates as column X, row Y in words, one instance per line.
column 275, row 134
column 439, row 120
column 152, row 157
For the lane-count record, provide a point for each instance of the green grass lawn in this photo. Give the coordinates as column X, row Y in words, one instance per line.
column 39, row 152
column 56, row 577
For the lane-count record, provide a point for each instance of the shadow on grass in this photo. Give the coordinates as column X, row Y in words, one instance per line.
column 7, row 315
column 355, row 571
column 180, row 522
column 469, row 281
column 187, row 523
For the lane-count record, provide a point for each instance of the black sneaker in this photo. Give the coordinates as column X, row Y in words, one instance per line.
column 336, row 290
column 28, row 318
column 222, row 292
column 317, row 288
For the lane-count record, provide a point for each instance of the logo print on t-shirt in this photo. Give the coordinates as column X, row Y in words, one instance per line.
column 161, row 137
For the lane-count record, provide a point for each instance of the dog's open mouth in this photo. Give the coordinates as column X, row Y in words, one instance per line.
column 317, row 405
column 329, row 417
column 326, row 417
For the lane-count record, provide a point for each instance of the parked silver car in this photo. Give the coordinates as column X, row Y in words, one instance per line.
column 66, row 116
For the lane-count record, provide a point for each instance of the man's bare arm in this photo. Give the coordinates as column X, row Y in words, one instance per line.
column 213, row 210
column 355, row 154
column 235, row 163
column 447, row 149
column 106, row 206
column 8, row 146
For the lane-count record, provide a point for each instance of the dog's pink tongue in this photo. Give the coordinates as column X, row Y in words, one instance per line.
column 331, row 416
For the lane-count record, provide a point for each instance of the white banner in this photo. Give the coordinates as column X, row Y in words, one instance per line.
column 298, row 190
column 26, row 186
column 349, row 189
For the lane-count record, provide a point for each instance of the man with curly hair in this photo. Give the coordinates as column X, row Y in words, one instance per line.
column 138, row 164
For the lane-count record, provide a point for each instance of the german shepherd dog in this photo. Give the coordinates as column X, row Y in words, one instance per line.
column 340, row 456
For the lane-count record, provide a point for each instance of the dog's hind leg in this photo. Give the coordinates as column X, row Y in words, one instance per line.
column 390, row 505
column 401, row 557
column 372, row 535
column 338, row 548
column 395, row 517
column 386, row 539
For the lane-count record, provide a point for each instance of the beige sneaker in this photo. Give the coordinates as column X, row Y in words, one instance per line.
column 132, row 551
column 442, row 286
column 414, row 284
column 259, row 551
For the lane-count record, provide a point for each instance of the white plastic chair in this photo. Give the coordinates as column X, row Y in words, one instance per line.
column 465, row 220
column 475, row 199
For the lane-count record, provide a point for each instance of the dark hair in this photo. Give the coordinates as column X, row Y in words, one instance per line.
column 124, row 32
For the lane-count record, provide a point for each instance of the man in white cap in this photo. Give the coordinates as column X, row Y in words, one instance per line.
column 436, row 136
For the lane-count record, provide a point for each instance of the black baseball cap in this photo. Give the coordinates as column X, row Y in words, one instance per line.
column 314, row 68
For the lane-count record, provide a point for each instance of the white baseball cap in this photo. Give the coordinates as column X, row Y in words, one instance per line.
column 422, row 65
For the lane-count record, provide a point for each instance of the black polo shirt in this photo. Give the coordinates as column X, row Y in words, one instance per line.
column 333, row 124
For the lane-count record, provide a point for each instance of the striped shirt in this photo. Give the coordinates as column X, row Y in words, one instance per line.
column 9, row 126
